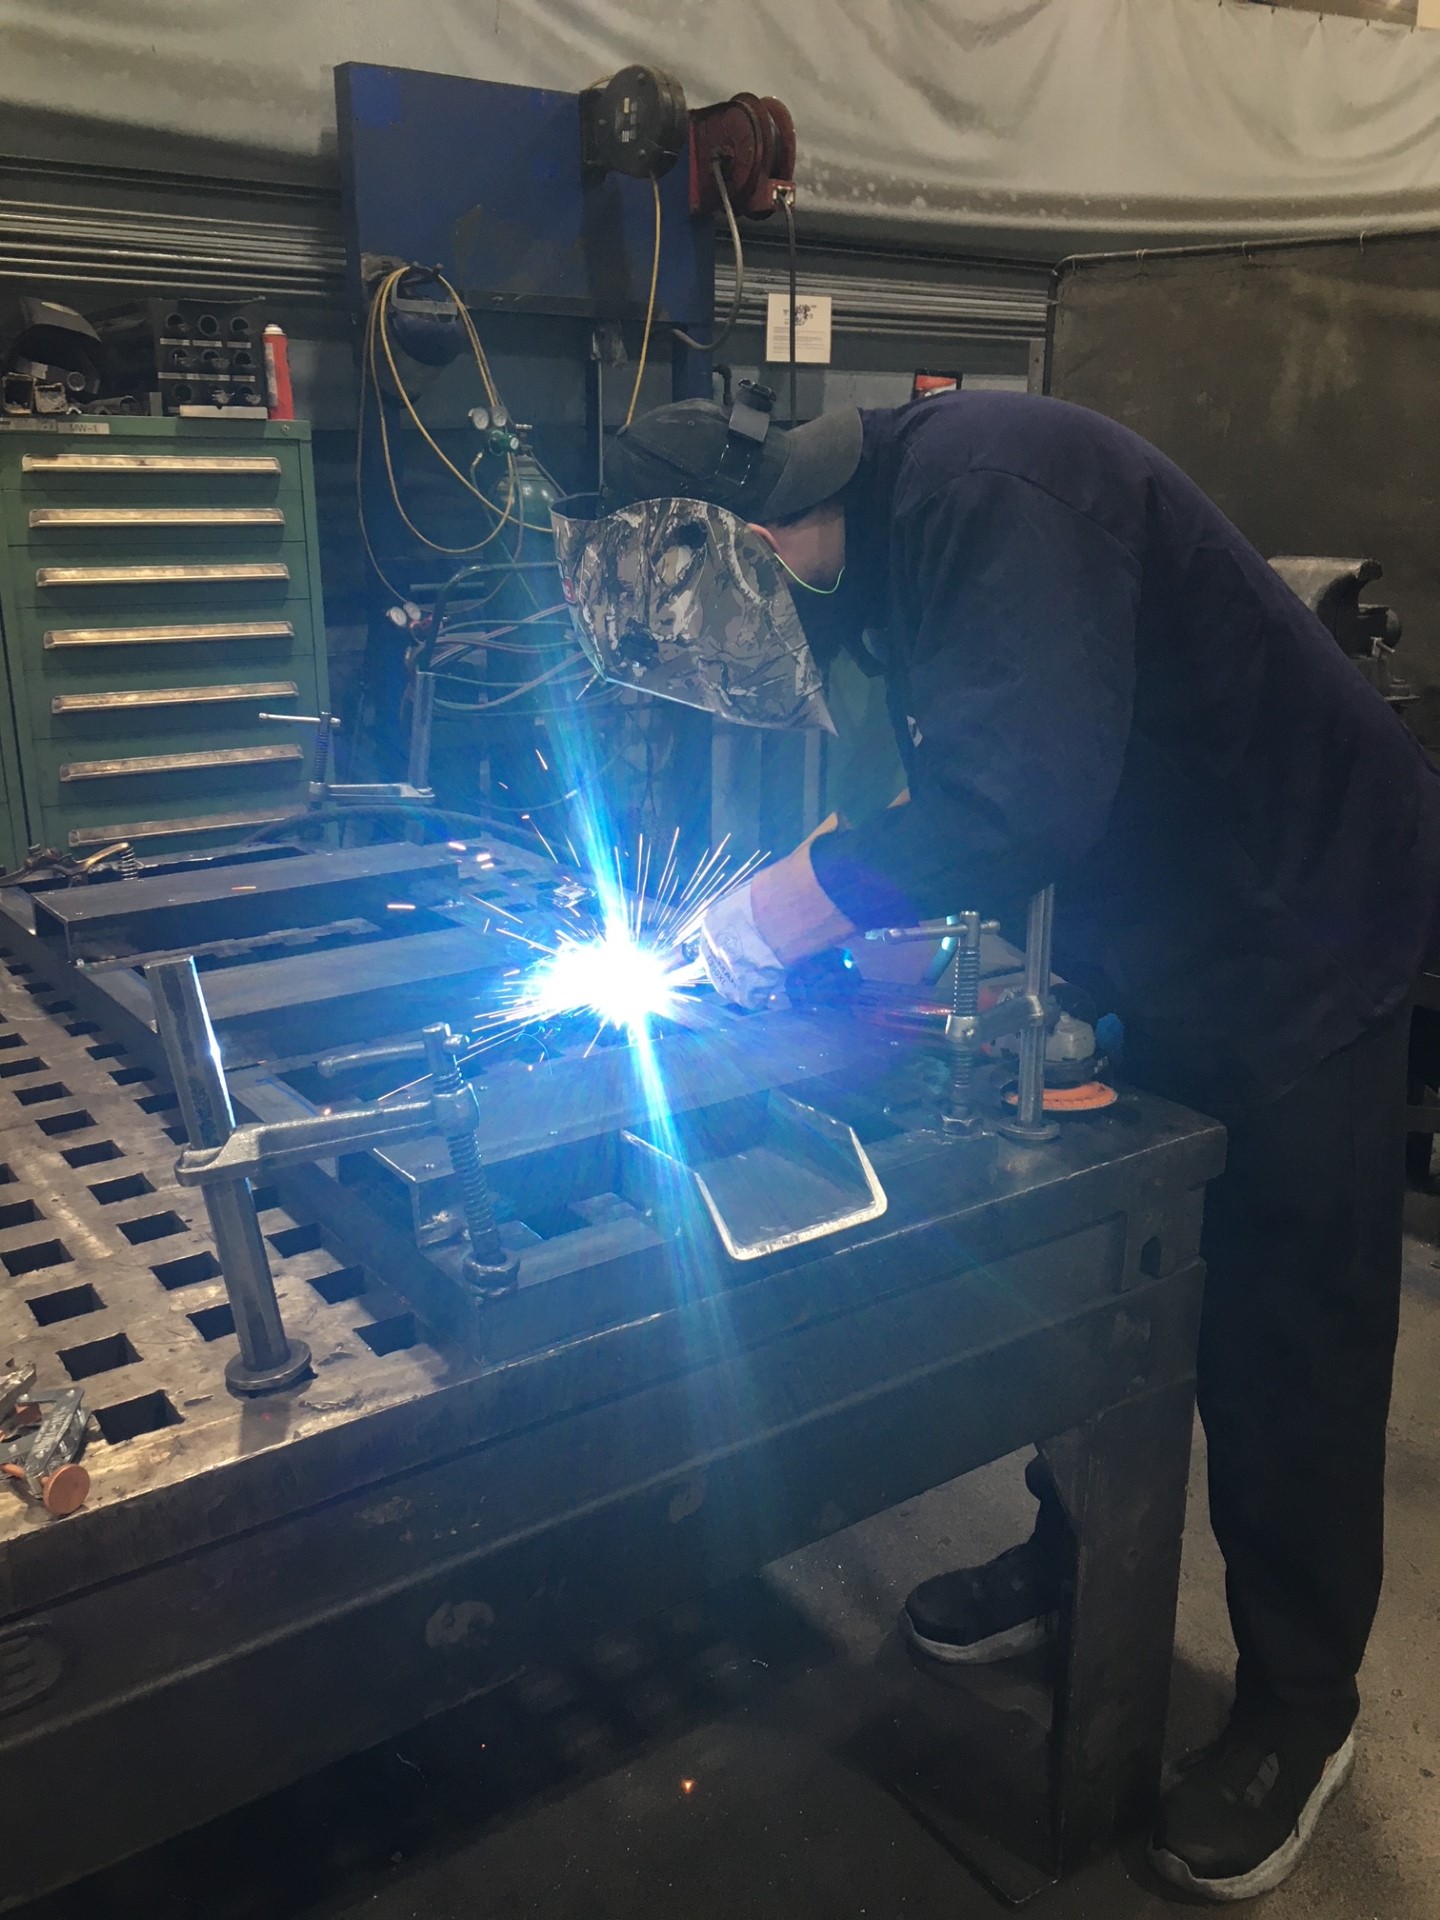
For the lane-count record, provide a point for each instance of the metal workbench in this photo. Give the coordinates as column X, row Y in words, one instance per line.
column 257, row 1587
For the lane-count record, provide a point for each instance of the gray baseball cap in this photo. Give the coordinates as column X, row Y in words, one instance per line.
column 735, row 458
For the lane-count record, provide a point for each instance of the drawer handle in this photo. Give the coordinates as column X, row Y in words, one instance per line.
column 162, row 636
column 184, row 823
column 248, row 463
column 237, row 571
column 177, row 762
column 157, row 517
column 130, row 698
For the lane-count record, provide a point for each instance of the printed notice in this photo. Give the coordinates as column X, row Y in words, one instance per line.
column 812, row 328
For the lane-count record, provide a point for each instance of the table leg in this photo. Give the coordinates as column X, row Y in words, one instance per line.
column 1122, row 1481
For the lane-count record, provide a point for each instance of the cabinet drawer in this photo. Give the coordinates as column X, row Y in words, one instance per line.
column 140, row 476
column 188, row 760
column 153, row 536
column 87, row 722
column 154, row 640
column 211, row 587
column 93, row 813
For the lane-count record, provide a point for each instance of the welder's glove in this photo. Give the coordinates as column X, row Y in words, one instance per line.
column 737, row 959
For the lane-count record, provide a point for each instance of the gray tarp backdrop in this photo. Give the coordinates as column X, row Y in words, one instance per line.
column 1081, row 121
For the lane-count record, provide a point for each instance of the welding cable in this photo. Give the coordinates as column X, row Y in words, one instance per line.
column 709, row 346
column 328, row 816
column 568, row 664
column 369, row 368
column 649, row 307
column 380, row 330
column 377, row 331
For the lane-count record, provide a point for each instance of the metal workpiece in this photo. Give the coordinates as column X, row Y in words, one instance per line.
column 794, row 1177
column 229, row 901
column 489, row 1263
column 268, row 1358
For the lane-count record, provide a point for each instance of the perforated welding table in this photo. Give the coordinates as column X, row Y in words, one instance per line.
column 256, row 1588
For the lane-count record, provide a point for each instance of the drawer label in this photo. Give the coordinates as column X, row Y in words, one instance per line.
column 31, row 425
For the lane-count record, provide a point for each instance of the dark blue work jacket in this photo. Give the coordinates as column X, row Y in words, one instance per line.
column 1106, row 686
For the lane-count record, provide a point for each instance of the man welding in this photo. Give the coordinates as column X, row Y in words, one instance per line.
column 1097, row 682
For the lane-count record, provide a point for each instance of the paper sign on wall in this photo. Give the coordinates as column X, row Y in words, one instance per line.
column 812, row 328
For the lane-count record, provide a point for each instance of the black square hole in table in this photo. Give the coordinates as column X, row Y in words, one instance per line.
column 8, row 1040
column 7, row 1175
column 91, row 1154
column 47, row 1090
column 41, row 1253
column 32, row 1063
column 341, row 1283
column 213, row 1323
column 130, row 1076
column 187, row 1270
column 302, row 1239
column 105, row 1050
column 178, row 1135
column 72, row 1122
column 127, row 1186
column 68, row 1304
column 19, row 1213
column 151, row 1226
column 98, row 1356
column 77, row 1029
column 157, row 1102
column 391, row 1335
column 147, row 1413
column 265, row 1197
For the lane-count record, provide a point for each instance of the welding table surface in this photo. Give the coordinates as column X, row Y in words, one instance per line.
column 220, row 901
column 239, row 1561
column 219, row 1441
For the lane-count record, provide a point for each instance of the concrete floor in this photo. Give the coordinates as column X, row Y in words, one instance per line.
column 725, row 1765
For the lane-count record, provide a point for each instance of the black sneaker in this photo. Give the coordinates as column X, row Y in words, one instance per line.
column 1241, row 1812
column 994, row 1612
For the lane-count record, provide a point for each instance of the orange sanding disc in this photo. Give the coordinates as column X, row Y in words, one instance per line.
column 1091, row 1098
column 66, row 1489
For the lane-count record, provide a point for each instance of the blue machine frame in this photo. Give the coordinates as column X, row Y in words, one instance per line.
column 485, row 180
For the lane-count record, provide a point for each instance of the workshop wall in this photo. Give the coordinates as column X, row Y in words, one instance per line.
column 976, row 120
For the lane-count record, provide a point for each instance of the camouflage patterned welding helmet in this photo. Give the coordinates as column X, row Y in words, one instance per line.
column 679, row 599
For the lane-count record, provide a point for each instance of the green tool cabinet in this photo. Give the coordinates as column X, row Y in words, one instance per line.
column 160, row 591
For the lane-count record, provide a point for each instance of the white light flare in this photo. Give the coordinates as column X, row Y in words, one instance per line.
column 624, row 982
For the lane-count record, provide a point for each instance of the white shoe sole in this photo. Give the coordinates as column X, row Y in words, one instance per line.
column 1282, row 1863
column 1008, row 1645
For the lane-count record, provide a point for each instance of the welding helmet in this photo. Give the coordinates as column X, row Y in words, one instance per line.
column 680, row 599
column 735, row 456
column 670, row 590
